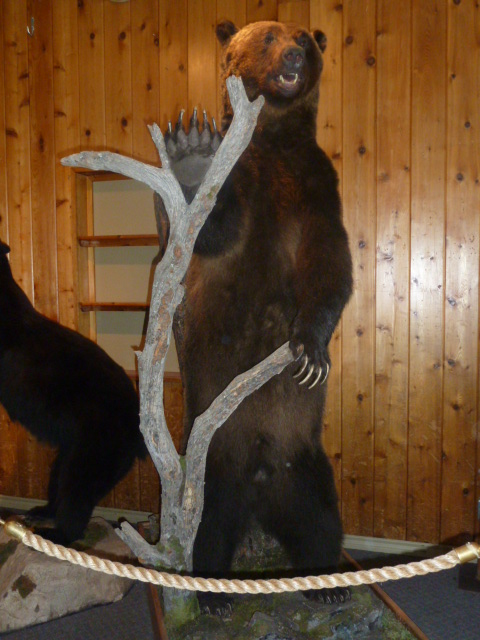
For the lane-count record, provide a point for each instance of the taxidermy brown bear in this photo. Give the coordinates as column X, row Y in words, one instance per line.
column 69, row 393
column 271, row 265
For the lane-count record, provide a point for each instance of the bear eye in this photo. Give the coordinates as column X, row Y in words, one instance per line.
column 302, row 41
column 269, row 38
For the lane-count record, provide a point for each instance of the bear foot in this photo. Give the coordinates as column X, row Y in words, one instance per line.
column 54, row 535
column 215, row 604
column 42, row 512
column 336, row 595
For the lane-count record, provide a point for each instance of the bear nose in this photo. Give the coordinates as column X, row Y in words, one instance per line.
column 294, row 57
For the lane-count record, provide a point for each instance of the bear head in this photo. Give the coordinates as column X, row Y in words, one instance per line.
column 282, row 62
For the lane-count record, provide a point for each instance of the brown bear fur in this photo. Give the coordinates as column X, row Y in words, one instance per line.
column 271, row 265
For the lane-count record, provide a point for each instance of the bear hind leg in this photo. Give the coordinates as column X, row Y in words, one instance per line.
column 307, row 521
column 84, row 478
column 223, row 524
column 47, row 511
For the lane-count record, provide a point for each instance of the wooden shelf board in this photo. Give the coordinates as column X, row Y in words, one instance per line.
column 113, row 306
column 147, row 240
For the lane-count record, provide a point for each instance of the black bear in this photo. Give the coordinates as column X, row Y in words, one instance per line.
column 271, row 264
column 69, row 393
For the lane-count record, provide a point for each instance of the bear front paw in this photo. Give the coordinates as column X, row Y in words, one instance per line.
column 314, row 361
column 191, row 153
column 308, row 372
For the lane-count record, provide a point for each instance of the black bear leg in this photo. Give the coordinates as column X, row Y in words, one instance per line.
column 48, row 510
column 307, row 521
column 223, row 524
column 84, row 477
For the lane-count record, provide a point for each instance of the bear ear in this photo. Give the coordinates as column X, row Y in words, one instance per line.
column 225, row 31
column 321, row 39
column 4, row 248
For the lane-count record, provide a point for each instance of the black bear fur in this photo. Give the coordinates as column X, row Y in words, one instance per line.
column 68, row 393
column 272, row 264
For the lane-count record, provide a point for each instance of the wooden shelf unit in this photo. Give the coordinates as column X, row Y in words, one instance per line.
column 88, row 242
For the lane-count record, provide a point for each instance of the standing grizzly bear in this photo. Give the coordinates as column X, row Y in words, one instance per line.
column 271, row 264
column 69, row 393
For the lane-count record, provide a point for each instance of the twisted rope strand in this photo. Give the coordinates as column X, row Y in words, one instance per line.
column 464, row 554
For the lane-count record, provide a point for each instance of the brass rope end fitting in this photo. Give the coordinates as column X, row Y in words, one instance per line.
column 15, row 529
column 469, row 551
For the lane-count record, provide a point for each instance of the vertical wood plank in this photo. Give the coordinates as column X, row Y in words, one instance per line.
column 297, row 11
column 461, row 287
column 359, row 316
column 202, row 66
column 42, row 158
column 426, row 271
column 8, row 456
column 42, row 180
column 236, row 12
column 92, row 74
column 145, row 77
column 118, row 76
column 261, row 10
column 327, row 17
column 173, row 60
column 3, row 145
column 232, row 10
column 67, row 140
column 392, row 268
column 8, row 431
column 17, row 128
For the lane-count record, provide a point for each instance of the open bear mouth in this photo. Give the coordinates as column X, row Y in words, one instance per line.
column 288, row 83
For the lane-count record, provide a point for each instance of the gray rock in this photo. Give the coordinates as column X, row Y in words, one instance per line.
column 35, row 588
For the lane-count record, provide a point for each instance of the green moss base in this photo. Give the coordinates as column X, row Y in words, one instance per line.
column 291, row 616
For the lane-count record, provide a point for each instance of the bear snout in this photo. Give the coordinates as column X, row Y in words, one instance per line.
column 293, row 58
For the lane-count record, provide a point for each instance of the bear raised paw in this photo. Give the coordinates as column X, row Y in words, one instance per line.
column 191, row 154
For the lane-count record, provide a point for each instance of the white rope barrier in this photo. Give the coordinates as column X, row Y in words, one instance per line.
column 466, row 553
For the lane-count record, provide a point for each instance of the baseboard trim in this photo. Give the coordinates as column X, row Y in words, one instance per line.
column 24, row 504
column 359, row 543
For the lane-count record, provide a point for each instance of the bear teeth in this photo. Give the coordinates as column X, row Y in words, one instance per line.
column 292, row 78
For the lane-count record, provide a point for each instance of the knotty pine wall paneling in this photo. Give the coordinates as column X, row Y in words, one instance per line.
column 392, row 268
column 261, row 10
column 427, row 284
column 174, row 67
column 3, row 149
column 202, row 67
column 399, row 105
column 236, row 12
column 118, row 76
column 67, row 136
column 294, row 11
column 19, row 222
column 359, row 201
column 92, row 81
column 460, row 428
column 145, row 74
column 8, row 439
column 328, row 18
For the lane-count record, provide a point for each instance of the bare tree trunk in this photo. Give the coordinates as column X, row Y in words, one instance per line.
column 182, row 481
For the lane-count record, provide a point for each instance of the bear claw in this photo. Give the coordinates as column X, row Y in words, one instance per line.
column 311, row 368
